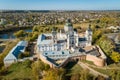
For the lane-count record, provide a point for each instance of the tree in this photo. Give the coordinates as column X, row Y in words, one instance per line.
column 84, row 74
column 50, row 75
column 96, row 35
column 100, row 78
column 20, row 33
column 104, row 21
column 35, row 29
column 34, row 36
column 115, row 56
column 26, row 54
column 3, row 71
column 47, row 67
column 75, row 77
column 106, row 44
column 54, row 74
column 21, row 55
column 27, row 63
column 115, row 75
column 38, row 68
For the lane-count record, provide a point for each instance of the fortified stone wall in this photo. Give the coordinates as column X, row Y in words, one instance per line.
column 96, row 60
column 44, row 59
column 101, row 52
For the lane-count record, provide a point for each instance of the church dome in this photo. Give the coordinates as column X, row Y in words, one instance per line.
column 89, row 28
column 68, row 23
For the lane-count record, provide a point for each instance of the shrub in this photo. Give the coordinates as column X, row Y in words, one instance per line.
column 27, row 63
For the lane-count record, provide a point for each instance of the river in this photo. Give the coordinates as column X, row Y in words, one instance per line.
column 10, row 35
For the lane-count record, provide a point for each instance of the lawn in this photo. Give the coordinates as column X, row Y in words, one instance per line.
column 73, row 68
column 19, row 71
column 82, row 25
column 114, row 65
column 105, row 71
column 76, row 69
column 88, row 62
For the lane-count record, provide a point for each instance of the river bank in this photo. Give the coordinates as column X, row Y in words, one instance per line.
column 13, row 29
column 10, row 34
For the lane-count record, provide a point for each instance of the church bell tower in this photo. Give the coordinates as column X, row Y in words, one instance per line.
column 54, row 35
column 88, row 36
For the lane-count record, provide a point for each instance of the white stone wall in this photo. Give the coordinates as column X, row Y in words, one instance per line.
column 9, row 62
column 82, row 44
column 56, row 47
column 68, row 28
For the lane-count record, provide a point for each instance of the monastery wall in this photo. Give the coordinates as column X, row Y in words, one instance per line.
column 97, row 61
column 101, row 52
column 44, row 59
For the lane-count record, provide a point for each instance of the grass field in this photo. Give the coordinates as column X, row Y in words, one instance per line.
column 82, row 25
column 19, row 71
column 107, row 71
column 73, row 68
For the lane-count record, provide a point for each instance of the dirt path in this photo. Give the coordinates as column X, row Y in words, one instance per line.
column 92, row 71
column 106, row 67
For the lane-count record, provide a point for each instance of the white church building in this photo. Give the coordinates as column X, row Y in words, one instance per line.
column 66, row 39
column 58, row 48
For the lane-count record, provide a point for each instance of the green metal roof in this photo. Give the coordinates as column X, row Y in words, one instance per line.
column 69, row 24
column 89, row 28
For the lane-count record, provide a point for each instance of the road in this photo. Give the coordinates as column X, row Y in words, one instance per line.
column 92, row 71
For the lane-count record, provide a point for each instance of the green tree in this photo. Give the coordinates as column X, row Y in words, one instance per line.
column 75, row 77
column 54, row 74
column 27, row 63
column 96, row 35
column 21, row 56
column 115, row 74
column 34, row 36
column 35, row 29
column 3, row 71
column 20, row 33
column 115, row 56
column 50, row 75
column 84, row 74
column 100, row 78
column 26, row 54
column 106, row 44
column 38, row 68
column 47, row 67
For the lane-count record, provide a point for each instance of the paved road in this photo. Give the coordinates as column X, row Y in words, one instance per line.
column 92, row 71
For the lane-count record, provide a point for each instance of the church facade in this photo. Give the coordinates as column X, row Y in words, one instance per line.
column 66, row 39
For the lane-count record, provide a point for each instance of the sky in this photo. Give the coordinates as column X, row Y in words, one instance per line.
column 60, row 4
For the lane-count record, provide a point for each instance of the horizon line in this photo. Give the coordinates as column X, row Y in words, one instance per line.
column 57, row 9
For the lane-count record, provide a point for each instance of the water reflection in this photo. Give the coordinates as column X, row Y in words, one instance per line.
column 10, row 35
